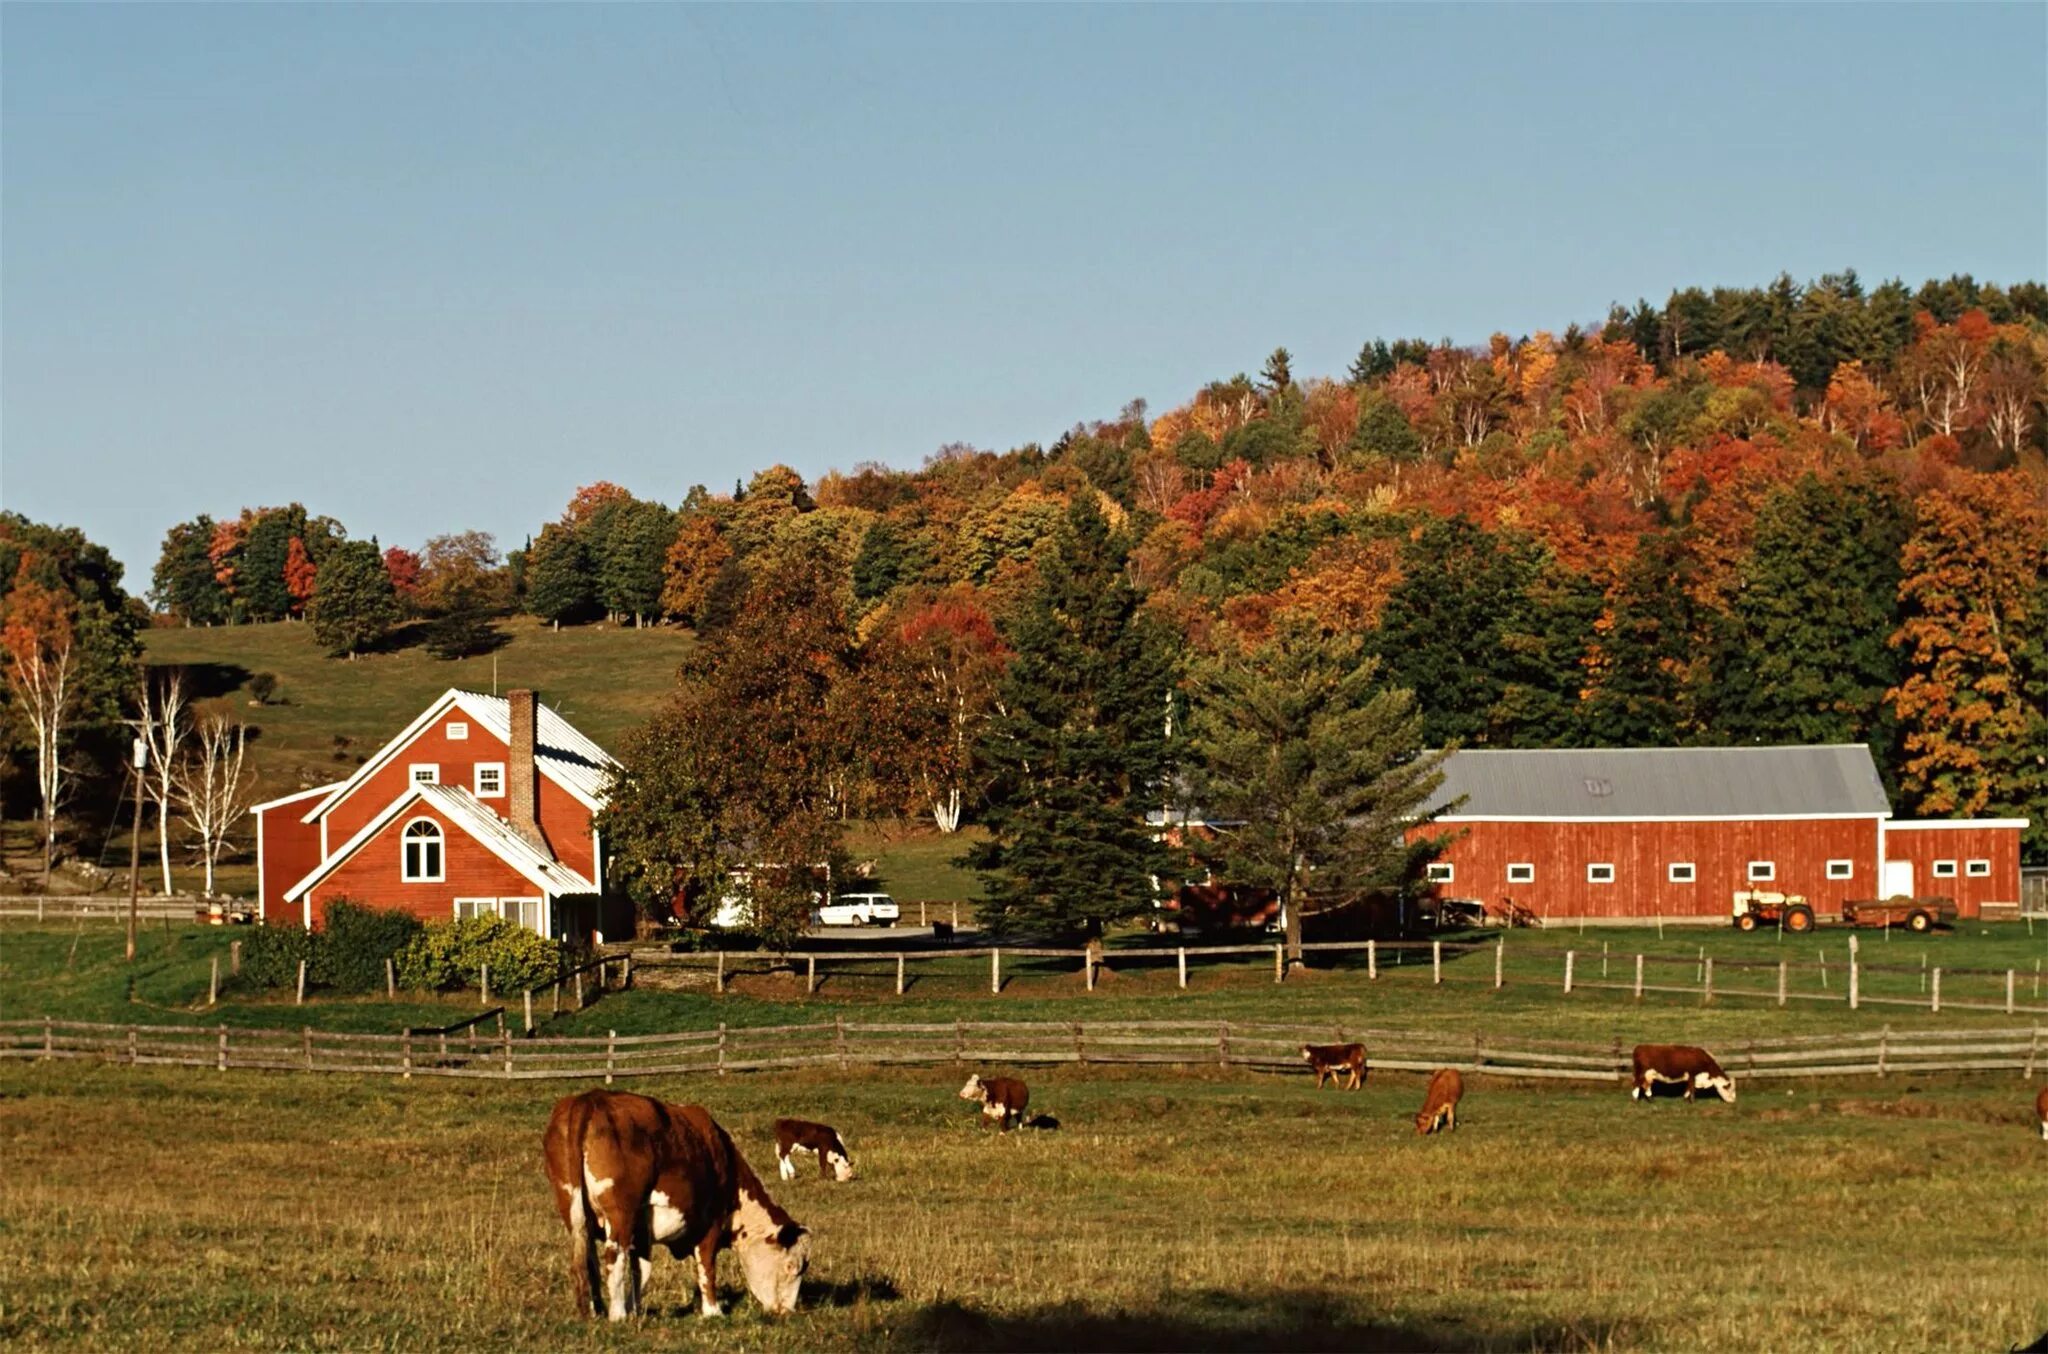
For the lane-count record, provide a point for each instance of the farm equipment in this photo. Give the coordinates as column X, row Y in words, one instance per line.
column 1919, row 915
column 1756, row 908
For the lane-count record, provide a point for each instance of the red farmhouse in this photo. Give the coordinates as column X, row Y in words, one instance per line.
column 1676, row 832
column 480, row 806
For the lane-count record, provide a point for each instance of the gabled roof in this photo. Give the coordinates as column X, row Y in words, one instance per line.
column 490, row 831
column 1664, row 784
column 561, row 752
column 294, row 797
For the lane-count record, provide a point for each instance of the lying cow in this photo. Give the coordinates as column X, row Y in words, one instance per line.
column 1440, row 1102
column 2041, row 1112
column 1336, row 1061
column 1679, row 1065
column 1002, row 1099
column 629, row 1173
column 821, row 1140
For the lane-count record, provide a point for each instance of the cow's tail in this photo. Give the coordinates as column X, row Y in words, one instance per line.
column 583, row 1247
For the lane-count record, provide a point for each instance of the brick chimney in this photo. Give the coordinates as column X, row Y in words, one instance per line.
column 522, row 786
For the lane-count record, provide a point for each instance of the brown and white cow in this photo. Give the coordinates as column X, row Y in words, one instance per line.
column 1440, row 1102
column 821, row 1140
column 2041, row 1112
column 629, row 1173
column 1336, row 1061
column 1002, row 1099
column 1678, row 1065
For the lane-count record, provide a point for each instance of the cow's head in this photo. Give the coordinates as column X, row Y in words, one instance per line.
column 774, row 1263
column 1424, row 1121
column 974, row 1090
column 1719, row 1082
column 837, row 1157
column 1306, row 1055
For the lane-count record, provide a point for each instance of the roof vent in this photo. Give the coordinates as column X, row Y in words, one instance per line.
column 1599, row 787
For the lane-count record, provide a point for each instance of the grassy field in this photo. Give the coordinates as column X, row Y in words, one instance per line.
column 1172, row 1210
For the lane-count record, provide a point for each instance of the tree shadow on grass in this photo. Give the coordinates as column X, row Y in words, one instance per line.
column 209, row 681
column 1300, row 1320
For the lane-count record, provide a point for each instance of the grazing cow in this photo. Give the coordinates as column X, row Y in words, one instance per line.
column 1680, row 1065
column 1440, row 1102
column 629, row 1173
column 1002, row 1099
column 2041, row 1112
column 821, row 1140
column 1336, row 1061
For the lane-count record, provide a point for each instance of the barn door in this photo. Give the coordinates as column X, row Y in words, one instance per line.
column 1898, row 879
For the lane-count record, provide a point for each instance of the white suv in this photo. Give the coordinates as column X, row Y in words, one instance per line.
column 859, row 909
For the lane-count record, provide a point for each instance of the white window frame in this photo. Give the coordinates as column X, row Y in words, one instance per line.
column 432, row 776
column 1841, row 869
column 1593, row 865
column 1977, row 869
column 1527, row 875
column 478, row 907
column 477, row 780
column 1944, row 869
column 1672, row 875
column 1439, row 872
column 405, row 841
column 457, row 730
column 510, row 909
column 1762, row 872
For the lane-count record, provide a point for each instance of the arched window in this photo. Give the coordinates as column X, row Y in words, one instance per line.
column 422, row 862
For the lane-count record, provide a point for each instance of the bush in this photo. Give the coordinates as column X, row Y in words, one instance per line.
column 452, row 954
column 263, row 686
column 271, row 955
column 356, row 941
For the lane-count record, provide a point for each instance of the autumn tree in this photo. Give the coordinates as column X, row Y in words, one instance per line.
column 402, row 567
column 692, row 565
column 462, row 585
column 39, row 636
column 927, row 686
column 1319, row 768
column 184, row 584
column 353, row 606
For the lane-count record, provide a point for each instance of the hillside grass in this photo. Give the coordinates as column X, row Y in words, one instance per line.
column 150, row 1209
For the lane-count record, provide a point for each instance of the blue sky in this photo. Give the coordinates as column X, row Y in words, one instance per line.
column 429, row 268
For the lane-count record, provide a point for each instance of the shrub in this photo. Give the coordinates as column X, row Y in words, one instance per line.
column 271, row 955
column 452, row 954
column 356, row 941
column 263, row 686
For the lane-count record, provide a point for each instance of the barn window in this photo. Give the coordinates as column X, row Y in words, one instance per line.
column 1440, row 872
column 457, row 731
column 1762, row 871
column 1841, row 869
column 490, row 780
column 421, row 863
column 1680, row 872
column 1944, row 869
column 426, row 773
column 1978, row 869
column 1602, row 873
column 1523, row 873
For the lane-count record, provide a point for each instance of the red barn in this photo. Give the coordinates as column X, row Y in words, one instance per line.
column 481, row 805
column 1676, row 832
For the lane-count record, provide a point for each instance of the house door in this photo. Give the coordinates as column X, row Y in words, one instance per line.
column 1898, row 879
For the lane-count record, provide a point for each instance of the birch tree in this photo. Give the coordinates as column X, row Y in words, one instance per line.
column 215, row 786
column 164, row 726
column 41, row 646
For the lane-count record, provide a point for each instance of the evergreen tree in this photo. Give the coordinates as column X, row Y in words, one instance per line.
column 183, row 583
column 1383, row 434
column 353, row 606
column 1374, row 362
column 879, row 565
column 1079, row 750
column 559, row 582
column 1644, row 691
column 259, row 580
column 630, row 568
column 1320, row 765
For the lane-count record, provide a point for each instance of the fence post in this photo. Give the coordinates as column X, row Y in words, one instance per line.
column 611, row 1049
column 721, row 1048
column 1707, row 991
column 995, row 970
column 1080, row 1048
column 1884, row 1048
column 1223, row 1044
column 2033, row 1052
column 390, row 977
column 506, row 1035
column 484, row 984
column 899, row 975
column 626, row 972
column 959, row 1042
column 555, row 997
column 810, row 974
column 1088, row 964
column 1781, row 982
column 1603, row 961
column 1855, row 987
column 405, row 1058
column 1372, row 959
column 1569, row 956
column 49, row 1047
column 302, row 984
column 1934, row 994
column 306, row 1044
column 1500, row 956
column 234, row 958
column 1180, row 958
column 1279, row 963
column 721, row 973
column 579, row 985
column 2008, row 991
column 223, row 1049
column 213, row 983
column 1436, row 961
column 1639, row 977
column 839, row 1037
column 529, row 1010
column 134, row 1054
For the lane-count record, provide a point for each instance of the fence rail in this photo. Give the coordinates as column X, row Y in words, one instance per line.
column 65, row 907
column 496, row 1054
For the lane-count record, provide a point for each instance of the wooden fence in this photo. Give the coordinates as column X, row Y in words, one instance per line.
column 103, row 907
column 498, row 1054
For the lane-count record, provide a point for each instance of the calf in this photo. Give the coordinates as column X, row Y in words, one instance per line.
column 1440, row 1102
column 821, row 1140
column 629, row 1173
column 1002, row 1099
column 1336, row 1061
column 1680, row 1065
column 2041, row 1112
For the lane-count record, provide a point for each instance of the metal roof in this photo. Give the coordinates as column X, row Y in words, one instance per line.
column 1662, row 784
column 493, row 833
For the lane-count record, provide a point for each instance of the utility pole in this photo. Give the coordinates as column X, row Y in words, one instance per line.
column 140, row 762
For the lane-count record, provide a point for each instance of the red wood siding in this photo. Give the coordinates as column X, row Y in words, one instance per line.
column 1924, row 846
column 290, row 851
column 374, row 876
column 1641, row 853
column 562, row 816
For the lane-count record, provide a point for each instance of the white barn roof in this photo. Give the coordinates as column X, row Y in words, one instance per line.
column 1663, row 784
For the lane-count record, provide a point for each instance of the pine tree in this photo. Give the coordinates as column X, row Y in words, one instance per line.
column 879, row 565
column 1644, row 686
column 559, row 582
column 632, row 556
column 353, row 606
column 1079, row 751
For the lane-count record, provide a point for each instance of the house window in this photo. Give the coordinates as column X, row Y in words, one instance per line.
column 426, row 773
column 1944, row 869
column 1440, row 872
column 1524, row 873
column 1601, row 873
column 523, row 911
column 1841, row 869
column 457, row 731
column 1978, row 869
column 1762, row 871
column 421, row 863
column 490, row 780
column 468, row 908
column 1680, row 872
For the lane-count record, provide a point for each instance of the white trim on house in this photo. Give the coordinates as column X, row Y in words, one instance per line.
column 438, row 837
column 1592, row 878
column 476, row 780
column 294, row 797
column 596, row 861
column 1976, row 869
column 1943, row 869
column 1528, row 869
column 493, row 833
column 1951, row 824
column 1660, row 818
column 259, row 868
column 413, row 776
column 1671, row 869
column 1847, row 869
column 458, row 730
column 1440, row 872
column 1762, row 872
